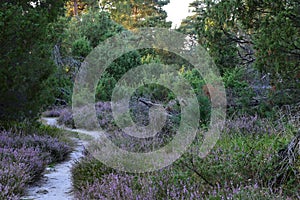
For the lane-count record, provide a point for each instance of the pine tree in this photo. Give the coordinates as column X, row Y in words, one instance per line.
column 137, row 13
column 264, row 34
column 26, row 43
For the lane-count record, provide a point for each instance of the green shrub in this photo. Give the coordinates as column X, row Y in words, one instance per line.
column 114, row 72
column 81, row 47
column 239, row 92
column 238, row 167
column 88, row 170
column 237, row 158
column 60, row 86
column 26, row 44
column 155, row 92
column 105, row 87
column 197, row 84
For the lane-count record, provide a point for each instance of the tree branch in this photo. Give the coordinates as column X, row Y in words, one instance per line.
column 193, row 168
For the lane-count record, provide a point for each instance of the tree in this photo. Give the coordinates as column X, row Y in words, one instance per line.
column 137, row 13
column 78, row 40
column 75, row 7
column 25, row 56
column 263, row 33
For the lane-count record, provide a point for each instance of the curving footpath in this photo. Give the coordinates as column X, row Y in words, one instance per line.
column 56, row 182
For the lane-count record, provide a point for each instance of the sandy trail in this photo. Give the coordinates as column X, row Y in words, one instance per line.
column 56, row 182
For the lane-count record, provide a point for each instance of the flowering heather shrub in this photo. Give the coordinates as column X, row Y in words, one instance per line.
column 19, row 167
column 247, row 124
column 103, row 106
column 103, row 111
column 13, row 178
column 171, row 185
column 163, row 184
column 8, row 193
column 57, row 150
column 117, row 186
column 33, row 159
column 140, row 115
column 23, row 159
column 66, row 118
column 234, row 168
column 54, row 112
column 105, row 116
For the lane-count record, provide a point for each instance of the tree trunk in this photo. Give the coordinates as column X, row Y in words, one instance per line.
column 75, row 8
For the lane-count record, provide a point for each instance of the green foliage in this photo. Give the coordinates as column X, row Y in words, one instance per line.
column 238, row 158
column 88, row 170
column 213, row 32
column 81, row 48
column 26, row 58
column 27, row 127
column 60, row 86
column 78, row 40
column 239, row 93
column 155, row 92
column 197, row 84
column 233, row 78
column 95, row 27
column 238, row 167
column 124, row 63
column 105, row 87
column 150, row 58
column 277, row 43
column 138, row 13
column 89, row 32
column 241, row 33
column 114, row 72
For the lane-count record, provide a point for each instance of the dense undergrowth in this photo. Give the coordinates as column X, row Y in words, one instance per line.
column 251, row 160
column 25, row 151
column 246, row 162
column 243, row 165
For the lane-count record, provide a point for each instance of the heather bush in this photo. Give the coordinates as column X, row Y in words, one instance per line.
column 104, row 114
column 53, row 112
column 251, row 125
column 103, row 111
column 236, row 158
column 23, row 158
column 66, row 118
column 26, row 128
column 238, row 167
column 13, row 178
column 165, row 184
column 32, row 159
column 57, row 150
column 117, row 186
